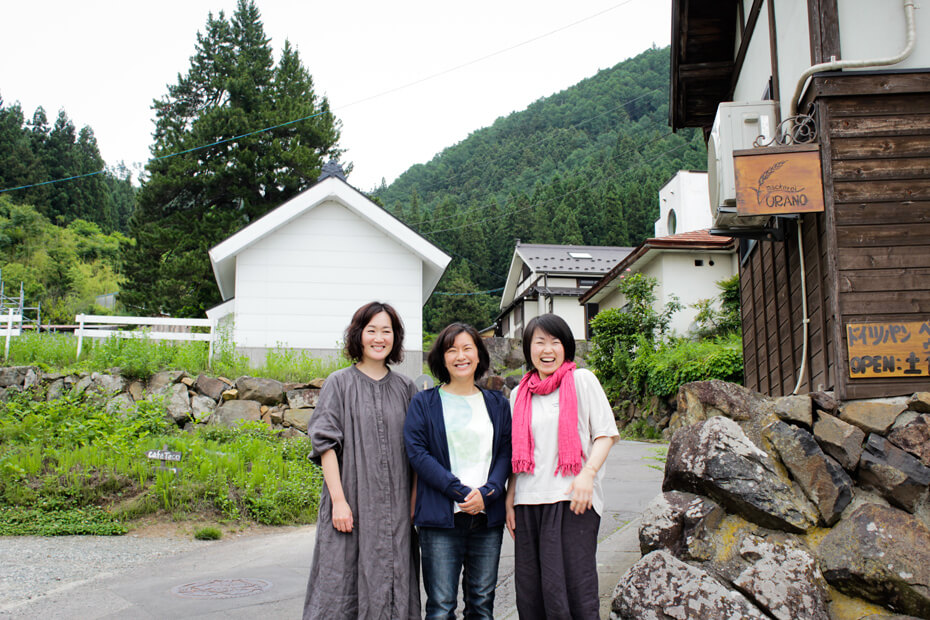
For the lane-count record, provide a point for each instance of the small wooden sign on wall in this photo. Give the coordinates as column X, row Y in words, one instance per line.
column 778, row 180
column 888, row 349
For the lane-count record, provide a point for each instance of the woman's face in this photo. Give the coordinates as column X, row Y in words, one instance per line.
column 378, row 338
column 546, row 353
column 461, row 358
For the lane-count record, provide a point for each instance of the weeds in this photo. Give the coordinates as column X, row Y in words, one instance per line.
column 208, row 533
column 85, row 469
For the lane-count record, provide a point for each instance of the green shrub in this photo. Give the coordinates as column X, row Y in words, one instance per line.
column 661, row 371
column 208, row 533
column 86, row 465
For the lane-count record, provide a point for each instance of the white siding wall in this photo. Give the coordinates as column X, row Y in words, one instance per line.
column 794, row 48
column 678, row 276
column 875, row 28
column 686, row 194
column 299, row 286
column 569, row 309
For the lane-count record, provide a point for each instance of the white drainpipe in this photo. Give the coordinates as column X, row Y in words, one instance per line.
column 909, row 6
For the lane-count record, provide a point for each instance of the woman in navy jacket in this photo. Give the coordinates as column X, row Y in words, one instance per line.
column 458, row 441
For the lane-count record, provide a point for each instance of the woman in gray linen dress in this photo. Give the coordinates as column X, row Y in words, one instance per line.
column 363, row 562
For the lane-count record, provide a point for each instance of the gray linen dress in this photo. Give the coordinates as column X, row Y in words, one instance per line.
column 370, row 572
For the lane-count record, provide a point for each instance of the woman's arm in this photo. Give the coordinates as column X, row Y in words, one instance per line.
column 495, row 487
column 582, row 487
column 342, row 513
column 508, row 504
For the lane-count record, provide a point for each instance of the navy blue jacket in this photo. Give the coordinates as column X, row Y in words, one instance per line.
column 428, row 452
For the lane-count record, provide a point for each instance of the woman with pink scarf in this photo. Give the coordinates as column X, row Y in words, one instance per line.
column 563, row 429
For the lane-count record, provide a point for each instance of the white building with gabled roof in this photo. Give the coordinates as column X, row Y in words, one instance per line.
column 293, row 278
column 549, row 278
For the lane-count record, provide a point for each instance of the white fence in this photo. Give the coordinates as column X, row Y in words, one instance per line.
column 101, row 326
column 8, row 330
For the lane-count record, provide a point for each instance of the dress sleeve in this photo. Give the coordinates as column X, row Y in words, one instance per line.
column 594, row 402
column 327, row 424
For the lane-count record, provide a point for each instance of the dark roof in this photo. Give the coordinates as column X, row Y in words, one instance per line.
column 558, row 258
column 694, row 240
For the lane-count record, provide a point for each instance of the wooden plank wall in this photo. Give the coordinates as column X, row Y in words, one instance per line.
column 770, row 293
column 879, row 190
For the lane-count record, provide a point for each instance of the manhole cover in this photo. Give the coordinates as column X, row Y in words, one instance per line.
column 221, row 588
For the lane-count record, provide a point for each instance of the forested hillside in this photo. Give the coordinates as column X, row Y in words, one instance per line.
column 582, row 166
column 33, row 153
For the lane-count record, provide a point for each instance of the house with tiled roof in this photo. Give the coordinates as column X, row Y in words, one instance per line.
column 685, row 265
column 549, row 278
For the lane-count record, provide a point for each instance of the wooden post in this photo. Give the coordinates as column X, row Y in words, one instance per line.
column 9, row 332
column 210, row 348
column 80, row 319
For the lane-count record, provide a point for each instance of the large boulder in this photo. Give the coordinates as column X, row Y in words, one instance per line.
column 160, row 380
column 881, row 554
column 700, row 400
column 783, row 579
column 898, row 476
column 107, row 384
column 914, row 438
column 202, row 408
column 177, row 402
column 797, row 409
column 717, row 459
column 265, row 391
column 298, row 418
column 302, row 398
column 821, row 478
column 872, row 416
column 677, row 522
column 661, row 586
column 14, row 376
column 210, row 387
column 231, row 412
column 919, row 402
column 839, row 439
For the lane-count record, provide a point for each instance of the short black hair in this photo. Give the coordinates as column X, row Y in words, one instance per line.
column 361, row 318
column 555, row 326
column 437, row 355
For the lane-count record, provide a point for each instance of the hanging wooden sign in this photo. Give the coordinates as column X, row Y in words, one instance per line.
column 888, row 349
column 778, row 180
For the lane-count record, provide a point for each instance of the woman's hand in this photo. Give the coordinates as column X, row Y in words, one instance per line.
column 342, row 516
column 582, row 491
column 474, row 502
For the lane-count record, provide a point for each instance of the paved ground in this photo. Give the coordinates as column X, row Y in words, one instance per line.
column 270, row 571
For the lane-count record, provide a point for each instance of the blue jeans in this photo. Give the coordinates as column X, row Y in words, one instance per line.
column 471, row 545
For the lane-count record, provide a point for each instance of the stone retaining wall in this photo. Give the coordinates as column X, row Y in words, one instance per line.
column 788, row 508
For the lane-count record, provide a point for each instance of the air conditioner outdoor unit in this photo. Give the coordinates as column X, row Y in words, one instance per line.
column 736, row 126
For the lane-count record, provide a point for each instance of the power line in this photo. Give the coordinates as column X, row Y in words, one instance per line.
column 358, row 101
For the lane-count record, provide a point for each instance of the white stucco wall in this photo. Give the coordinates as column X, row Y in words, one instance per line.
column 868, row 29
column 569, row 309
column 300, row 286
column 677, row 275
column 686, row 195
column 757, row 66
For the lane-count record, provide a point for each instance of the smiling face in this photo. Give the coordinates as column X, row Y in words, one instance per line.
column 546, row 353
column 378, row 338
column 461, row 358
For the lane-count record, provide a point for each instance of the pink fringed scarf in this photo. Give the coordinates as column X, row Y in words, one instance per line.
column 571, row 456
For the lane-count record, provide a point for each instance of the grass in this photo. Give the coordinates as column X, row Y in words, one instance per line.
column 208, row 533
column 83, row 470
column 143, row 357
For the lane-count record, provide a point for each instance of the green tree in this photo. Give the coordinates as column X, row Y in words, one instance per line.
column 195, row 197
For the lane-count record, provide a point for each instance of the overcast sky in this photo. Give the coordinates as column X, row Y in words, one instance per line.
column 104, row 61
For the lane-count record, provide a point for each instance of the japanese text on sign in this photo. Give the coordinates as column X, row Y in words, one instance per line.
column 888, row 349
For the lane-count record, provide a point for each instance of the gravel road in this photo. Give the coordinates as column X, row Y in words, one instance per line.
column 33, row 566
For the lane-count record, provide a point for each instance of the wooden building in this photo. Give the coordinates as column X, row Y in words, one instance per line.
column 866, row 255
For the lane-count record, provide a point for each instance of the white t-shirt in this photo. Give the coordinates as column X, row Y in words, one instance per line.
column 470, row 436
column 595, row 419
